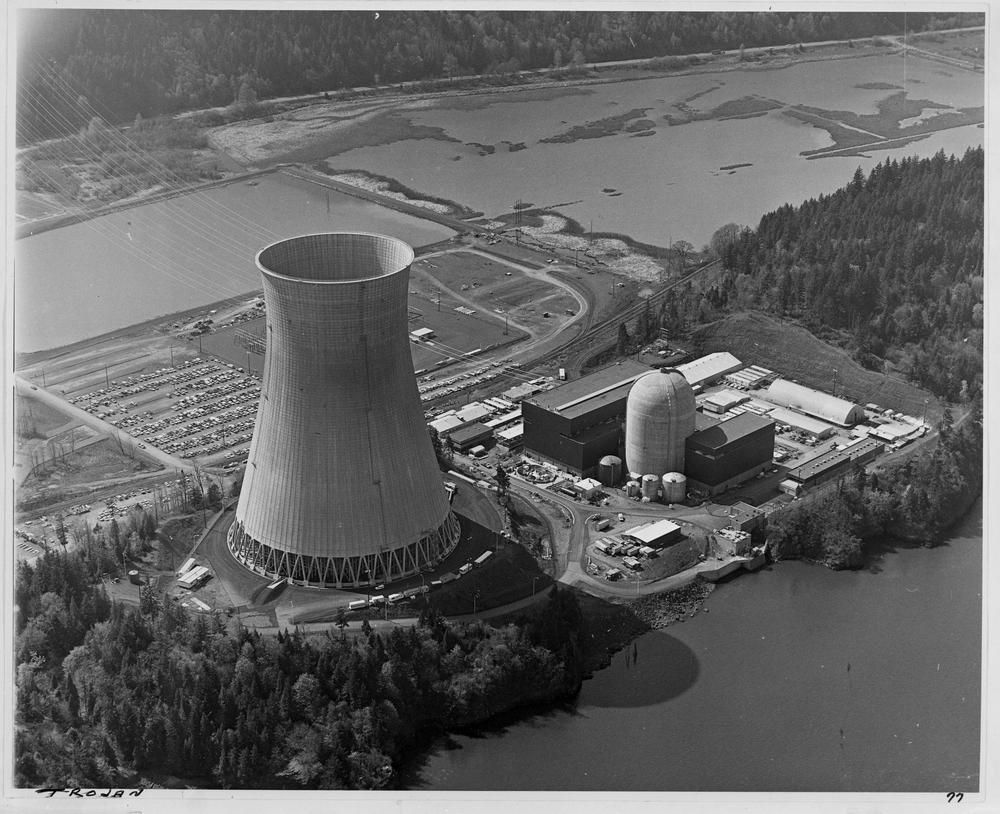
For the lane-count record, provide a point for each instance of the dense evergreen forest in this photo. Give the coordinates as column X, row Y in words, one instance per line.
column 890, row 266
column 148, row 63
column 111, row 696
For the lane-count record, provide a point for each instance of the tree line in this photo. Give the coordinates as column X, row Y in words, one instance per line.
column 890, row 267
column 155, row 62
column 109, row 695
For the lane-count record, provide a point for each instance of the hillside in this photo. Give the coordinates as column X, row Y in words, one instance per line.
column 758, row 339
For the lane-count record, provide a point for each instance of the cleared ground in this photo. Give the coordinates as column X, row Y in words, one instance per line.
column 757, row 339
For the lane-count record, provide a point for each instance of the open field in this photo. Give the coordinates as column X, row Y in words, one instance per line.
column 793, row 352
column 61, row 479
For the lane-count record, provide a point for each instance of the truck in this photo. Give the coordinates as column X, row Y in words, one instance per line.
column 465, row 569
column 394, row 598
column 603, row 524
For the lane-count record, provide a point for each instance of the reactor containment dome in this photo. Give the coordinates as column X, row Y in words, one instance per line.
column 659, row 416
column 341, row 487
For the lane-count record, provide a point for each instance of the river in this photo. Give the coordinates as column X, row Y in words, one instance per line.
column 679, row 182
column 142, row 262
column 796, row 678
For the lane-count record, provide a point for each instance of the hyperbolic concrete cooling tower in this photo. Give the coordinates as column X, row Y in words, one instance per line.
column 342, row 486
column 659, row 416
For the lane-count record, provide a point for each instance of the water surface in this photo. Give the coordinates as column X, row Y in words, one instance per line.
column 796, row 679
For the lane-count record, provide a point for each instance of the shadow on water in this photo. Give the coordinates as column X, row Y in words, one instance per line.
column 653, row 669
column 656, row 668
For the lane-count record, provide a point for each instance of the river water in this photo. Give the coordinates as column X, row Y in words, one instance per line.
column 797, row 678
column 670, row 185
column 106, row 273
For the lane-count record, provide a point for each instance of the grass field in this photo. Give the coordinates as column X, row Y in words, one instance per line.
column 794, row 353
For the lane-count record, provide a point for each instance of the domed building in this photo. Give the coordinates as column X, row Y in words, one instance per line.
column 659, row 417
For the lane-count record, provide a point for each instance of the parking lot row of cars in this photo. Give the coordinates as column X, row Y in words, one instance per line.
column 215, row 407
column 145, row 382
column 454, row 384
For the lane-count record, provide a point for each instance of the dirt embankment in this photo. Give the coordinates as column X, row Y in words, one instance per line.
column 611, row 626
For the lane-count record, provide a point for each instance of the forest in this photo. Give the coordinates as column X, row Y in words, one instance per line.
column 154, row 62
column 890, row 267
column 111, row 695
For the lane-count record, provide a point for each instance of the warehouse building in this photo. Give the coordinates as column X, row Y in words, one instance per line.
column 471, row 436
column 812, row 402
column 709, row 369
column 654, row 535
column 830, row 465
column 576, row 424
column 728, row 453
column 724, row 401
column 512, row 437
column 812, row 427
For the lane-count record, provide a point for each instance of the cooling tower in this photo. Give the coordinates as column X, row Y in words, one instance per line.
column 341, row 487
column 659, row 416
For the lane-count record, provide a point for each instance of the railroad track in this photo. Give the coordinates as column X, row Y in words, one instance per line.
column 585, row 344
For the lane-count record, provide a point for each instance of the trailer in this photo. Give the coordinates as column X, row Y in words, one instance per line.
column 394, row 598
column 409, row 593
column 357, row 604
column 188, row 565
column 601, row 546
column 482, row 558
column 376, row 600
column 194, row 577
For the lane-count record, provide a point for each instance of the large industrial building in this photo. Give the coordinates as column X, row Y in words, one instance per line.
column 830, row 465
column 341, row 487
column 814, row 403
column 708, row 369
column 729, row 452
column 578, row 423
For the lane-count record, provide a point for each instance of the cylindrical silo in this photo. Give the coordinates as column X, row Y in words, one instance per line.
column 650, row 486
column 659, row 416
column 341, row 486
column 609, row 470
column 674, row 487
column 632, row 488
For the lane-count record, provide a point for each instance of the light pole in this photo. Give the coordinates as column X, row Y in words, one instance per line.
column 533, row 579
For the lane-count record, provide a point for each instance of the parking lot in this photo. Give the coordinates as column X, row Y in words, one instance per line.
column 196, row 408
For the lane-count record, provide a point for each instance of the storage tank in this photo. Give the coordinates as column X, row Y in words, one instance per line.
column 632, row 488
column 609, row 470
column 659, row 416
column 341, row 486
column 650, row 486
column 674, row 487
column 133, row 577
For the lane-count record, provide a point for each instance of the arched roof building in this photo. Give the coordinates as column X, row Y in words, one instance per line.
column 814, row 403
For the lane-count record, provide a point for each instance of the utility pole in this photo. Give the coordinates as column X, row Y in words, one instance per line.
column 107, row 380
column 43, row 378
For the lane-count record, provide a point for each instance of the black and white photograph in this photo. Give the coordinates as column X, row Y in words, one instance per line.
column 450, row 407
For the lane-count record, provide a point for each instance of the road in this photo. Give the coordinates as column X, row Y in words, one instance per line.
column 26, row 388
